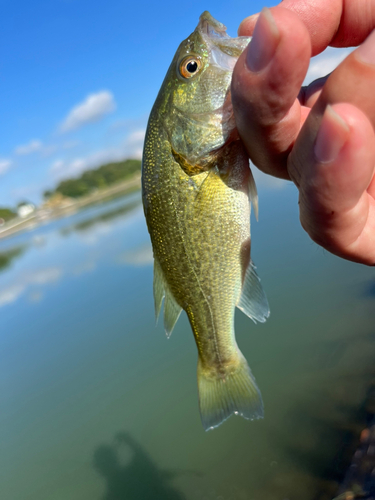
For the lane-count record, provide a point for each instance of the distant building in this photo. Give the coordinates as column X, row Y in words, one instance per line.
column 25, row 209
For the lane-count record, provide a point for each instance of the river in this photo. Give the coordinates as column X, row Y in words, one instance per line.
column 97, row 404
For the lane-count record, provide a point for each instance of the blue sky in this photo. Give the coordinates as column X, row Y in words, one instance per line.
column 79, row 78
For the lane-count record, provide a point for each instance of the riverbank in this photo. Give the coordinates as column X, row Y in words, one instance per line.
column 69, row 206
column 359, row 481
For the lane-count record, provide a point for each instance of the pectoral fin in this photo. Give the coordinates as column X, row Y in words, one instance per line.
column 172, row 310
column 253, row 301
column 253, row 194
column 158, row 288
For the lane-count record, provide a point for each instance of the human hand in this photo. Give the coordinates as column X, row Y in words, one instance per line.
column 321, row 137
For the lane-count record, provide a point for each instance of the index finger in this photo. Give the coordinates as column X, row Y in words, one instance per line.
column 337, row 23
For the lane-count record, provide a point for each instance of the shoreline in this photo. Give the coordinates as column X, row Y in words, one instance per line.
column 43, row 215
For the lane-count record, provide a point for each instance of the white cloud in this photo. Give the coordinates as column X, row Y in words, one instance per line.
column 36, row 146
column 70, row 144
column 4, row 165
column 84, row 267
column 11, row 294
column 131, row 148
column 31, row 147
column 96, row 233
column 40, row 277
column 136, row 137
column 92, row 109
column 325, row 62
column 44, row 276
column 48, row 150
column 57, row 165
column 134, row 144
column 129, row 123
column 61, row 168
column 35, row 296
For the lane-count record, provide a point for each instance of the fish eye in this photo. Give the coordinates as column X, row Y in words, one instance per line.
column 189, row 66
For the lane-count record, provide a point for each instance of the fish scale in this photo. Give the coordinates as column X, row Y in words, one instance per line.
column 196, row 185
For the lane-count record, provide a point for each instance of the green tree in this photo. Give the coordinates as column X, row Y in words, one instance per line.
column 47, row 194
column 73, row 188
column 98, row 178
column 7, row 214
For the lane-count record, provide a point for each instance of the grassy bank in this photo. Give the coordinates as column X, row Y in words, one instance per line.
column 69, row 206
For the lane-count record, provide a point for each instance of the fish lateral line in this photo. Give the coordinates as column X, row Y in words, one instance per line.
column 197, row 192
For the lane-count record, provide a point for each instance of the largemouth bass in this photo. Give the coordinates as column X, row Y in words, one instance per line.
column 197, row 187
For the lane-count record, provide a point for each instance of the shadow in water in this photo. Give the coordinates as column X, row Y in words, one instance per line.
column 140, row 479
column 324, row 443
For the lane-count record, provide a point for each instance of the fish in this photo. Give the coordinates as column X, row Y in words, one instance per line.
column 197, row 191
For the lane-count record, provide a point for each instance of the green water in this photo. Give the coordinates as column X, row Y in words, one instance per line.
column 96, row 403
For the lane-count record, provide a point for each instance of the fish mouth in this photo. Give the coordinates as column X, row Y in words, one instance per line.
column 223, row 49
column 209, row 26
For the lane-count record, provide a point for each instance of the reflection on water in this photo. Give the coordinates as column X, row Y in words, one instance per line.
column 370, row 289
column 7, row 257
column 45, row 261
column 80, row 358
column 141, row 256
column 99, row 218
column 141, row 478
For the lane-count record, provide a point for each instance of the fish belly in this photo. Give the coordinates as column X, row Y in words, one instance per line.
column 200, row 231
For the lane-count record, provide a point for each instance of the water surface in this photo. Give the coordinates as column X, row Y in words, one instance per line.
column 97, row 404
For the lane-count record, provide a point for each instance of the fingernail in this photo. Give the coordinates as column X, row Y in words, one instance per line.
column 263, row 45
column 366, row 51
column 332, row 135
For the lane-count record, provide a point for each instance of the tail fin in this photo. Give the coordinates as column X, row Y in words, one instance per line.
column 220, row 397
